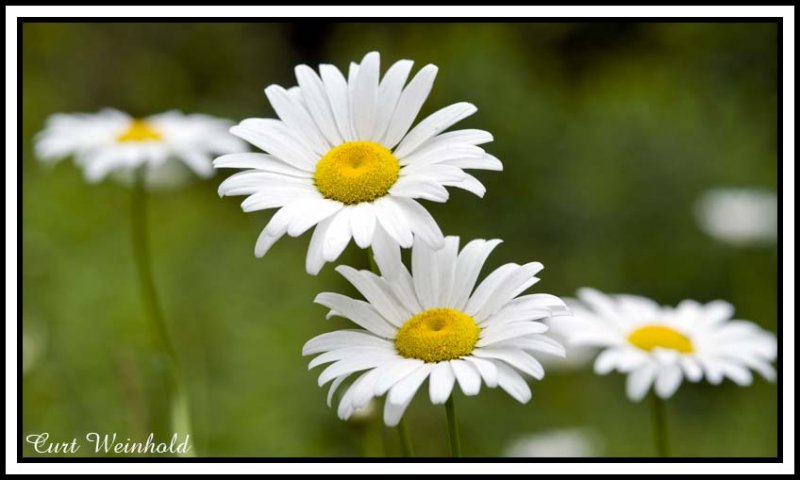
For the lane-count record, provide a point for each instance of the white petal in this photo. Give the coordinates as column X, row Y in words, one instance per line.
column 314, row 258
column 668, row 381
column 486, row 162
column 740, row 375
column 388, row 93
column 356, row 363
column 422, row 223
column 372, row 288
column 362, row 223
column 486, row 288
column 514, row 357
column 366, row 96
column 470, row 261
column 296, row 117
column 433, row 125
column 359, row 312
column 470, row 184
column 198, row 162
column 469, row 379
column 639, row 381
column 394, row 221
column 334, row 386
column 425, row 274
column 690, row 367
column 405, row 389
column 408, row 105
column 266, row 239
column 342, row 339
column 339, row 97
column 387, row 257
column 394, row 373
column 338, row 235
column 486, row 368
column 607, row 361
column 313, row 212
column 511, row 381
column 342, row 353
column 504, row 291
column 259, row 161
column 316, row 100
column 275, row 138
column 455, row 138
column 418, row 186
column 441, row 382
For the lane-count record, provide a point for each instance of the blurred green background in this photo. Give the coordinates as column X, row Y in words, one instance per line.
column 608, row 133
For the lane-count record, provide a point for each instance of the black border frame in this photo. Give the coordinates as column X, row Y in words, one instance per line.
column 180, row 460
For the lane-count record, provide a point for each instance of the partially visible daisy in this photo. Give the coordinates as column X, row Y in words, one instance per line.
column 344, row 158
column 433, row 326
column 572, row 442
column 739, row 216
column 113, row 142
column 659, row 346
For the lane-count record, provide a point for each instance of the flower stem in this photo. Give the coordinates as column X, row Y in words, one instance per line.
column 659, row 418
column 405, row 439
column 452, row 428
column 402, row 429
column 168, row 404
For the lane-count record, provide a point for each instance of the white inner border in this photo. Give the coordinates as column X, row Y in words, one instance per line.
column 786, row 12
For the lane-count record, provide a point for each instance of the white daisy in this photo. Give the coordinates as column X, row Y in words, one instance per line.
column 432, row 325
column 660, row 346
column 342, row 158
column 113, row 142
column 739, row 216
column 568, row 442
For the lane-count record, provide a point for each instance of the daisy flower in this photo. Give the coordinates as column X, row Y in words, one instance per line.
column 739, row 216
column 113, row 142
column 659, row 346
column 433, row 326
column 344, row 158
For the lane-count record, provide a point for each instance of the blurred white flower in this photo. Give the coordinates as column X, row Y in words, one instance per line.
column 573, row 442
column 741, row 217
column 577, row 357
column 659, row 346
column 113, row 142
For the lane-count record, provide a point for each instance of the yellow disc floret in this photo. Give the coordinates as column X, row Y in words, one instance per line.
column 139, row 131
column 657, row 336
column 356, row 172
column 437, row 334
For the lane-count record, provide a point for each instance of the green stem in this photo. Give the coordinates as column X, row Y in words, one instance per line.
column 402, row 429
column 169, row 411
column 144, row 265
column 452, row 428
column 659, row 418
column 405, row 439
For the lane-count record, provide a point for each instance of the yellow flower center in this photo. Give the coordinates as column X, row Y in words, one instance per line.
column 139, row 131
column 437, row 334
column 656, row 336
column 356, row 172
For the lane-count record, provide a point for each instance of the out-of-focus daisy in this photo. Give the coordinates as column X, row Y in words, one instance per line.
column 741, row 217
column 433, row 326
column 574, row 442
column 113, row 142
column 659, row 346
column 343, row 157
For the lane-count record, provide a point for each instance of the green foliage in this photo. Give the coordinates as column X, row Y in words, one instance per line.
column 608, row 134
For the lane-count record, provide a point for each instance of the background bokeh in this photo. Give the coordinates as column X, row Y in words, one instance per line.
column 608, row 133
